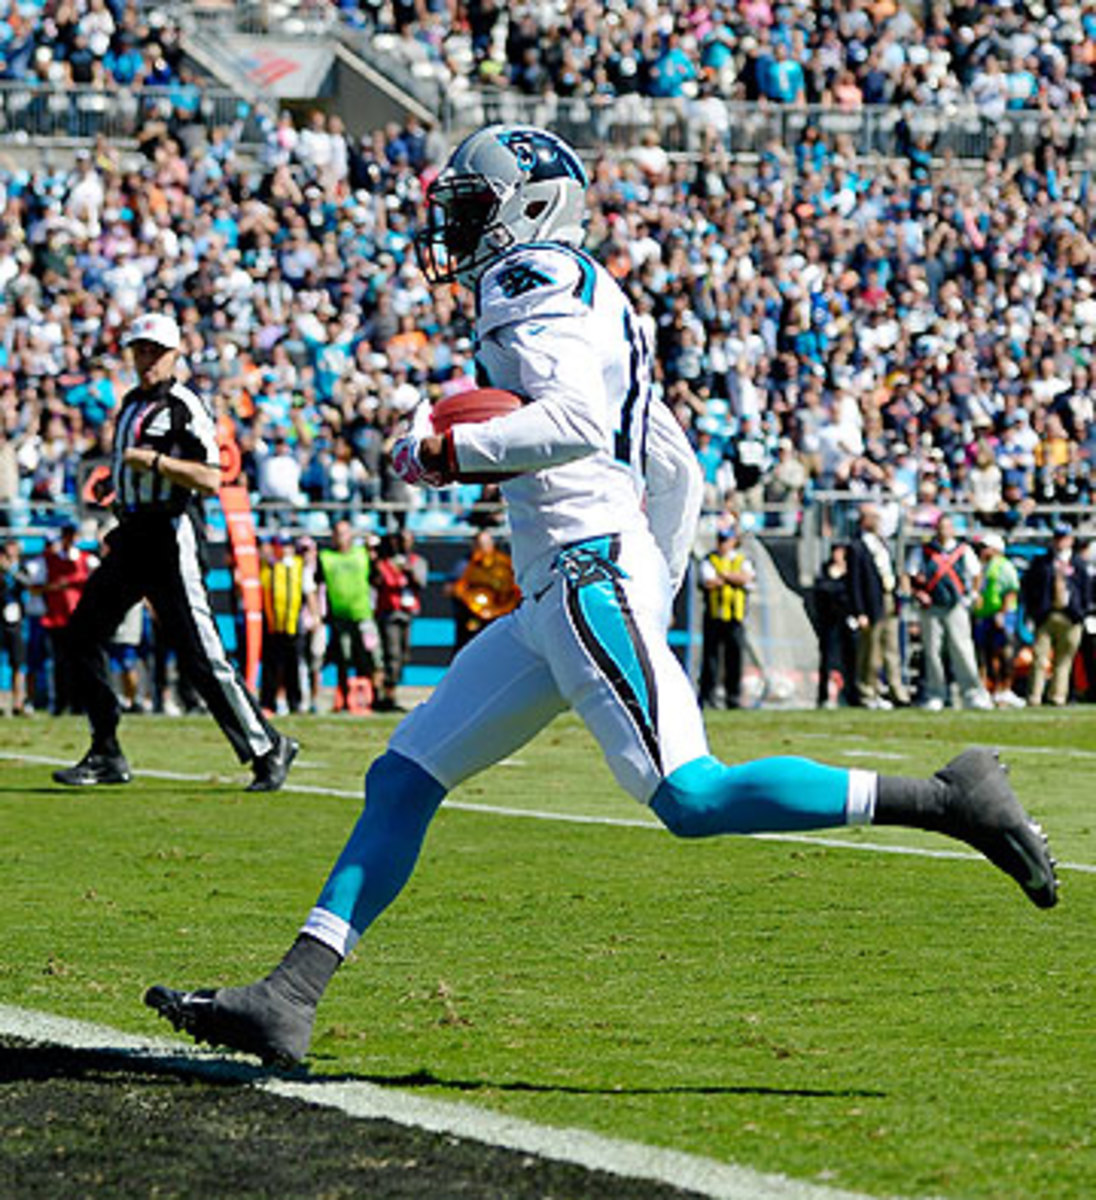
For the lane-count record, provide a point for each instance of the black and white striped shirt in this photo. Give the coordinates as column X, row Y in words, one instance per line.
column 172, row 420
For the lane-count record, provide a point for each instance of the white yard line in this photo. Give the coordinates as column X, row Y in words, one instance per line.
column 367, row 1101
column 531, row 814
column 1006, row 750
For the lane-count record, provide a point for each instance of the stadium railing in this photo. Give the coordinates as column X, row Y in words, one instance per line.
column 831, row 516
column 962, row 132
column 29, row 112
column 819, row 520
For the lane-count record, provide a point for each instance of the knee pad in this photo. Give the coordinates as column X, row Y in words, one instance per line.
column 687, row 800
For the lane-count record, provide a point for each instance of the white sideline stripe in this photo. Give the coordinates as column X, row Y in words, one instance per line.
column 533, row 814
column 369, row 1101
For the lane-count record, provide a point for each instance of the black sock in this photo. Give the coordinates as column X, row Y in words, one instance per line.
column 106, row 745
column 917, row 803
column 306, row 970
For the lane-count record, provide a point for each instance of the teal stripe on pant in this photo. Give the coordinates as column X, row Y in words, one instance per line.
column 773, row 795
column 400, row 802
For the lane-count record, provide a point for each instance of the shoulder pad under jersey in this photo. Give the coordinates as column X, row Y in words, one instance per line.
column 546, row 279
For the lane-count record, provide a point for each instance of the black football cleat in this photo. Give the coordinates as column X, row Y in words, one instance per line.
column 273, row 767
column 257, row 1019
column 93, row 769
column 981, row 809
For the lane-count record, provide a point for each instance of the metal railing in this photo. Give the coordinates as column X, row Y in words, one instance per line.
column 619, row 122
column 815, row 523
column 29, row 112
column 832, row 516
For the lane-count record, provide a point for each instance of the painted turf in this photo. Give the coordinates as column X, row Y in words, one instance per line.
column 367, row 1101
column 531, row 814
column 703, row 1176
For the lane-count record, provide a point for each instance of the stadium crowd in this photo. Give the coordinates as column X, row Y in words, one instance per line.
column 824, row 322
column 845, row 53
column 90, row 43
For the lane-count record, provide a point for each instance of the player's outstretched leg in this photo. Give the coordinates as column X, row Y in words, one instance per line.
column 273, row 1017
column 969, row 799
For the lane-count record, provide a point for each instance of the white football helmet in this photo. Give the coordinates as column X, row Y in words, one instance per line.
column 504, row 186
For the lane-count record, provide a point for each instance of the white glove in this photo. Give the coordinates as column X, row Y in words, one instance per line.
column 405, row 452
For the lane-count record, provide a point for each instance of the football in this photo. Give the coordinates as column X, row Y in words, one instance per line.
column 471, row 408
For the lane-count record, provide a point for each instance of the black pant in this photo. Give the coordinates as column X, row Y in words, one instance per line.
column 395, row 630
column 159, row 558
column 281, row 664
column 347, row 651
column 161, row 656
column 64, row 698
column 723, row 645
column 837, row 651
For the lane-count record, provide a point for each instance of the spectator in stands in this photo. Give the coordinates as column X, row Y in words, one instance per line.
column 313, row 626
column 946, row 577
column 12, row 641
column 782, row 79
column 996, row 617
column 282, row 579
column 68, row 569
column 353, row 644
column 726, row 579
column 279, row 473
column 873, row 585
column 124, row 655
column 484, row 588
column 1058, row 595
column 399, row 577
column 836, row 627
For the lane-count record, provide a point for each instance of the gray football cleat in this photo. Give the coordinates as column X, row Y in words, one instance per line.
column 257, row 1019
column 981, row 809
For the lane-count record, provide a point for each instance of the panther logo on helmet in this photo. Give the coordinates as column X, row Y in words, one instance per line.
column 504, row 186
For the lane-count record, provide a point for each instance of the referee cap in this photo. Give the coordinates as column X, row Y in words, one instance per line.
column 158, row 328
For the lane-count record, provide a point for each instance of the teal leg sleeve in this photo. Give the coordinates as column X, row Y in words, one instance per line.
column 400, row 801
column 706, row 797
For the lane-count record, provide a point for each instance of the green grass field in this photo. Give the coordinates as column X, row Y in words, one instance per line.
column 887, row 1023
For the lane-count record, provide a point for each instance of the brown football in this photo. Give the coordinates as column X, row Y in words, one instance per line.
column 471, row 408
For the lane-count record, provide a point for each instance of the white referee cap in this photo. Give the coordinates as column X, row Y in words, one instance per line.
column 157, row 328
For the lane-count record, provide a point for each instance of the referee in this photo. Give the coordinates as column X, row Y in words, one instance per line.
column 165, row 457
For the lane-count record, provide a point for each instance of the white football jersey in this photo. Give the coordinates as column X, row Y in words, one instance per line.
column 599, row 454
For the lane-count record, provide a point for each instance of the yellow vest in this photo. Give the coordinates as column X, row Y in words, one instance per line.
column 726, row 602
column 282, row 594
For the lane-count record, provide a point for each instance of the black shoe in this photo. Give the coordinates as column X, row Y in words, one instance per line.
column 273, row 767
column 982, row 809
column 257, row 1019
column 95, row 768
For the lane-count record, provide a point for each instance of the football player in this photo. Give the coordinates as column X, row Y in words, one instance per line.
column 603, row 492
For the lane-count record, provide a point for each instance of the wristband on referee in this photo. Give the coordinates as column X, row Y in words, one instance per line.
column 156, row 463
